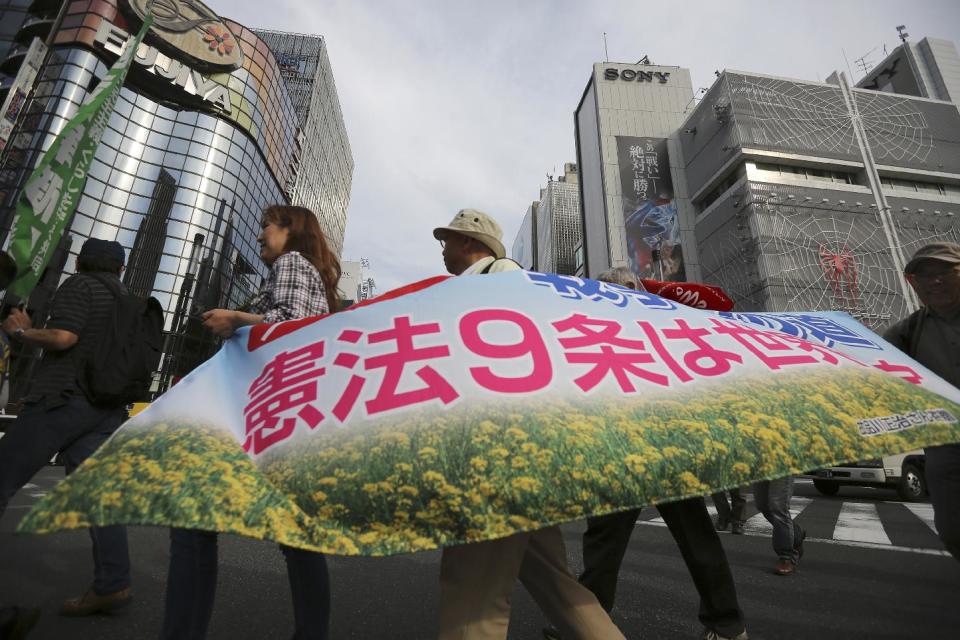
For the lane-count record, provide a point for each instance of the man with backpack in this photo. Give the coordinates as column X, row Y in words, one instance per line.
column 58, row 416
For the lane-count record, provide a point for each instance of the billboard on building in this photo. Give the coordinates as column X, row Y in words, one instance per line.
column 649, row 210
column 19, row 90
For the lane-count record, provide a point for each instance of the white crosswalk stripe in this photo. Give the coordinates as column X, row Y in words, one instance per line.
column 924, row 512
column 860, row 522
column 758, row 525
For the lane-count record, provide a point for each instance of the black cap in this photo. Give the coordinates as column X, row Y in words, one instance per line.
column 110, row 249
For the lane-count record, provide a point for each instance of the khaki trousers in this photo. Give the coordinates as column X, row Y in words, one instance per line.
column 477, row 580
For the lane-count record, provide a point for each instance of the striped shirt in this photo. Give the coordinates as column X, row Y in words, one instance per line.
column 82, row 306
column 293, row 290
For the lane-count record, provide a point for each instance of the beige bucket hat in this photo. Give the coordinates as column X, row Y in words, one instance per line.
column 942, row 251
column 478, row 225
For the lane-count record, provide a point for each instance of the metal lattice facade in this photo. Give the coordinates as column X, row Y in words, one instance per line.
column 797, row 223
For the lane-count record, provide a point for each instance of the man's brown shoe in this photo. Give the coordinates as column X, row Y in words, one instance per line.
column 91, row 603
column 785, row 568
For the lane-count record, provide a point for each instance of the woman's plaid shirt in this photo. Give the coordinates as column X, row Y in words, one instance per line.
column 293, row 290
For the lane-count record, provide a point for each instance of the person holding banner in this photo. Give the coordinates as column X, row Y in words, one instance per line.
column 477, row 580
column 606, row 538
column 302, row 283
column 931, row 336
column 58, row 417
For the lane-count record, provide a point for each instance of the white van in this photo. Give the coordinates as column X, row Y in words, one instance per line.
column 903, row 473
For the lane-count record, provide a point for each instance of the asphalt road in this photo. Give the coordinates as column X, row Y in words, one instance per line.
column 845, row 589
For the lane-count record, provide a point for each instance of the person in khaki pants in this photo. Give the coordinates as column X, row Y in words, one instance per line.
column 476, row 580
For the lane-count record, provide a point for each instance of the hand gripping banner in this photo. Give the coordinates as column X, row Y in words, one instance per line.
column 471, row 408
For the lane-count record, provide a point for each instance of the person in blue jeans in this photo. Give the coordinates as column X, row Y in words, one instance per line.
column 773, row 501
column 302, row 283
column 58, row 417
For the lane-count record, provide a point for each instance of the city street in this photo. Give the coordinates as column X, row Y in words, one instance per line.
column 851, row 584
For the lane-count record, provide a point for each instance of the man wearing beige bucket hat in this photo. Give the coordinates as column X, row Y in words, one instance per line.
column 477, row 580
column 473, row 243
column 931, row 336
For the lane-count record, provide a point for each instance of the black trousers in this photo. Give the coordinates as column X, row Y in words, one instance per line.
column 75, row 429
column 605, row 542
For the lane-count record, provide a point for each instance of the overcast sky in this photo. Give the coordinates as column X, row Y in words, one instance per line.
column 452, row 104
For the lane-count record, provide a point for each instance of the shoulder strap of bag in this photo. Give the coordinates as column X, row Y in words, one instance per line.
column 487, row 268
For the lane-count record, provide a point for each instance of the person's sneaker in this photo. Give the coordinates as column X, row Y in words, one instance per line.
column 736, row 527
column 721, row 525
column 785, row 567
column 710, row 634
column 16, row 622
column 90, row 603
column 550, row 633
column 799, row 544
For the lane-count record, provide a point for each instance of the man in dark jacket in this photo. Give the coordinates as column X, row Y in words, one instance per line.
column 931, row 336
column 57, row 416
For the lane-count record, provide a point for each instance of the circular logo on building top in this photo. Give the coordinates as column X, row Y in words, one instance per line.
column 192, row 29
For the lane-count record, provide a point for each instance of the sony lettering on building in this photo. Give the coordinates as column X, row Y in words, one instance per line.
column 633, row 201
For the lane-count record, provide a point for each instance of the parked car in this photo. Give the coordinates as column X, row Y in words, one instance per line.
column 903, row 473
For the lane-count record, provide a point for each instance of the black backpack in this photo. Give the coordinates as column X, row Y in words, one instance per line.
column 120, row 369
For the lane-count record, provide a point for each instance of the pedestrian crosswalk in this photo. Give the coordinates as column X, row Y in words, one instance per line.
column 894, row 526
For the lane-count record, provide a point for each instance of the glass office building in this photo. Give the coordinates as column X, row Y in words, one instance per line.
column 326, row 163
column 193, row 153
column 551, row 229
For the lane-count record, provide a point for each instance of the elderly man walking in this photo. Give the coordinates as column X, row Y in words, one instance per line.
column 477, row 580
column 931, row 336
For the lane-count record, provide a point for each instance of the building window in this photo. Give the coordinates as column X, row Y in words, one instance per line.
column 807, row 173
column 916, row 186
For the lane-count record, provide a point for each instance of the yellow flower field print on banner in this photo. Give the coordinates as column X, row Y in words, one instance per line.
column 470, row 409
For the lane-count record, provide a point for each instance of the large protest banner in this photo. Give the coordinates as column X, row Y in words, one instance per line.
column 52, row 191
column 472, row 408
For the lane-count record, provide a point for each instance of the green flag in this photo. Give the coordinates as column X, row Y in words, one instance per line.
column 52, row 191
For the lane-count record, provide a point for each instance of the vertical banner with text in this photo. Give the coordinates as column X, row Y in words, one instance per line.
column 52, row 191
column 649, row 210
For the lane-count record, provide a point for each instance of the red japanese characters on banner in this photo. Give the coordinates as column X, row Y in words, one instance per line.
column 407, row 362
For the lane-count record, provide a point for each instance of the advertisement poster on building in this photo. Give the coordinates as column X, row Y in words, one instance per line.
column 465, row 409
column 649, row 211
column 17, row 96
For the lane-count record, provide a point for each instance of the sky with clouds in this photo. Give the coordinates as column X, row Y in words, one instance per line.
column 451, row 104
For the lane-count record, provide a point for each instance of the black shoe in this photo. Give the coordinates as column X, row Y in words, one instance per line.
column 721, row 524
column 549, row 633
column 16, row 622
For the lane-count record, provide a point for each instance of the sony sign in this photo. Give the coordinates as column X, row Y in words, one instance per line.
column 632, row 75
column 175, row 72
